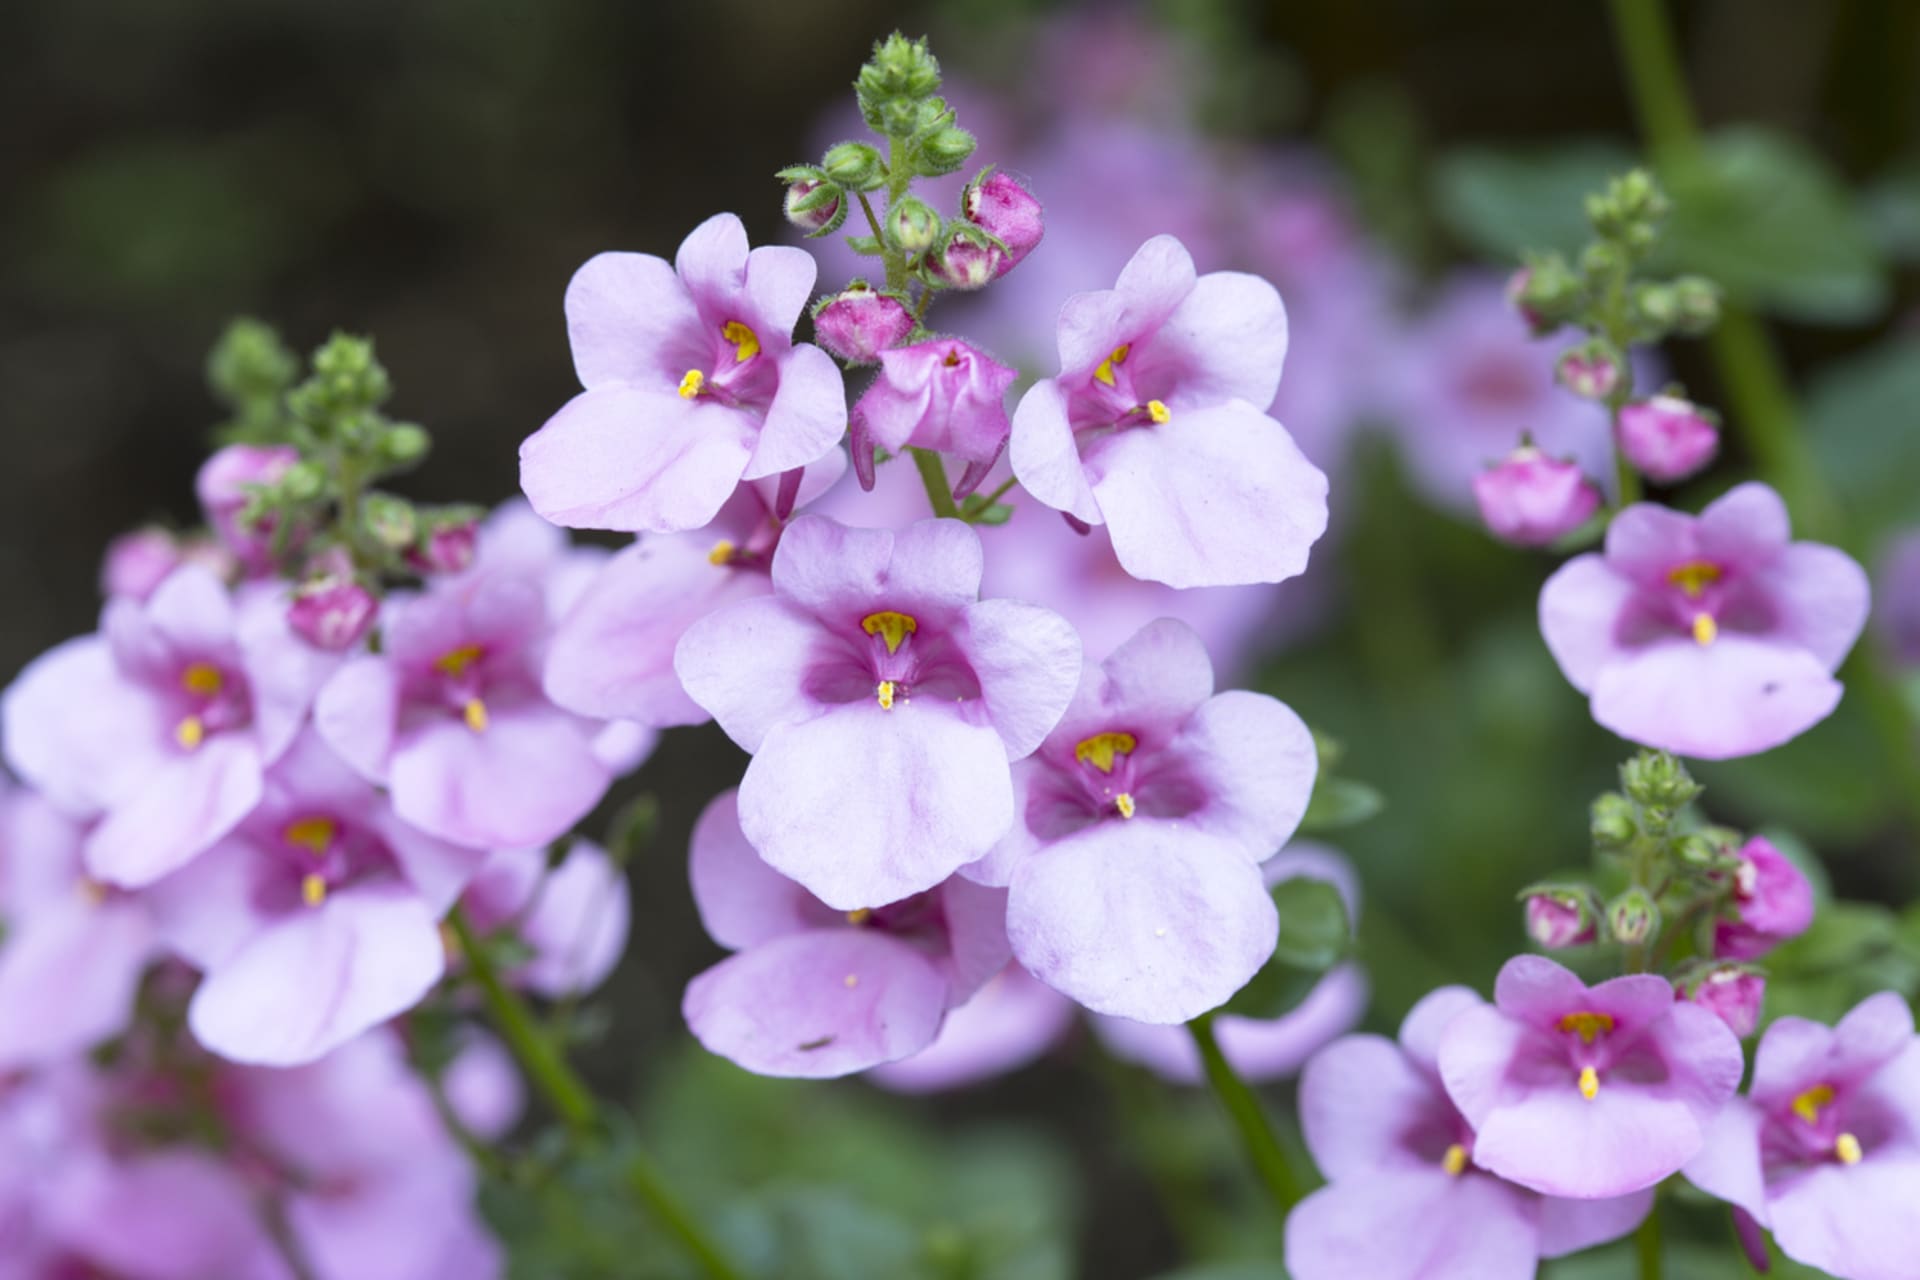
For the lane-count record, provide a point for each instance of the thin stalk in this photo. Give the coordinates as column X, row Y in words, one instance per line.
column 994, row 497
column 573, row 1102
column 1646, row 1244
column 1243, row 1108
column 872, row 221
column 933, row 474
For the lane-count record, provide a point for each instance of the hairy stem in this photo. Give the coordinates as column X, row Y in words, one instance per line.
column 1243, row 1108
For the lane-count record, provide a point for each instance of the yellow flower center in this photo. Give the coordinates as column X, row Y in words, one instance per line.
column 1124, row 803
column 690, row 383
column 313, row 889
column 201, row 679
column 1101, row 748
column 1158, row 411
column 475, row 714
column 1455, row 1161
column 1588, row 1026
column 892, row 627
column 721, row 553
column 456, row 662
column 1694, row 577
column 1589, row 1083
column 1846, row 1148
column 1809, row 1104
column 859, row 915
column 746, row 343
column 884, row 691
column 1118, row 356
column 1705, row 629
column 190, row 732
column 315, row 835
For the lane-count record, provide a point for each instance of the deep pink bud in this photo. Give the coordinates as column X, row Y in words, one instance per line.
column 1667, row 438
column 136, row 562
column 332, row 611
column 1517, row 298
column 943, row 395
column 1557, row 920
column 1530, row 499
column 964, row 263
column 1589, row 372
column 222, row 487
column 859, row 323
column 1732, row 994
column 1006, row 210
column 449, row 549
column 812, row 219
column 1772, row 902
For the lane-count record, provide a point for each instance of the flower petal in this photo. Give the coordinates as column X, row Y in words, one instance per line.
column 183, row 807
column 1580, row 610
column 747, row 665
column 526, row 780
column 1568, row 1226
column 68, row 975
column 1257, row 761
column 1414, row 1226
column 1820, row 596
column 1027, row 660
column 1046, row 458
column 1226, row 340
column 1366, row 1107
column 84, row 735
column 742, row 901
column 1734, row 697
column 806, row 419
column 631, row 320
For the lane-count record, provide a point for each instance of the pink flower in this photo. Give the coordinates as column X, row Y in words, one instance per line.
column 1667, row 438
column 1532, row 500
column 999, row 205
column 449, row 548
column 693, row 384
column 1772, row 903
column 332, row 611
column 573, row 917
column 1734, row 994
column 1556, row 921
column 224, row 484
column 942, row 395
column 1008, row 1023
column 858, row 323
column 138, row 562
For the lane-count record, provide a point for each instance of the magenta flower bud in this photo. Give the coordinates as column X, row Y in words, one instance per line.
column 448, row 549
column 1002, row 207
column 1732, row 993
column 1517, row 298
column 943, row 395
column 1589, row 372
column 332, row 611
column 1530, row 499
column 139, row 561
column 1667, row 438
column 964, row 263
column 811, row 218
column 859, row 323
column 1772, row 903
column 222, row 487
column 1557, row 920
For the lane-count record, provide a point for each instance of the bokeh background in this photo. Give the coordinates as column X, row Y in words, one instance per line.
column 432, row 172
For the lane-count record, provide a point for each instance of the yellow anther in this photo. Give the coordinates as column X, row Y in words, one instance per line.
column 1694, row 577
column 859, row 915
column 1807, row 1105
column 475, row 714
column 91, row 891
column 1588, row 1026
column 190, row 732
column 1705, row 629
column 852, row 980
column 1589, row 1083
column 1847, row 1148
column 746, row 343
column 455, row 662
column 885, row 692
column 1124, row 803
column 892, row 627
column 1119, row 356
column 721, row 553
column 1455, row 1161
column 1101, row 748
column 315, row 835
column 201, row 679
column 313, row 889
column 1158, row 411
column 690, row 383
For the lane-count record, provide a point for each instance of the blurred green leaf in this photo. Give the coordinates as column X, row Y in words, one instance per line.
column 1229, row 1271
column 1863, row 421
column 1829, row 785
column 1314, row 936
column 1339, row 802
column 1892, row 206
column 1768, row 219
column 1502, row 202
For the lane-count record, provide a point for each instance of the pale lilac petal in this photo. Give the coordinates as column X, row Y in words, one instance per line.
column 977, row 945
column 865, row 806
column 207, row 910
column 183, row 807
column 1260, row 1049
column 1568, row 1226
column 1560, row 1144
column 284, row 674
column 713, row 262
column 1426, row 1023
column 1821, row 596
column 747, row 665
column 1538, row 990
column 1414, row 1226
column 1092, row 324
column 779, row 281
column 1746, row 527
column 840, row 573
column 1226, row 340
column 438, row 870
column 356, row 1112
column 1365, row 1106
column 68, row 975
column 820, row 1003
column 634, row 459
column 996, row 866
column 742, row 901
column 1728, row 1166
column 526, row 780
column 1045, row 456
column 1734, row 697
column 1646, row 540
column 484, row 1087
column 82, row 734
column 805, row 421
column 194, row 611
column 1153, row 284
column 312, row 981
column 1143, row 919
column 1477, row 1049
column 1796, row 1053
column 1856, row 1221
column 1580, row 611
column 1027, row 660
column 408, row 1225
column 578, row 925
column 358, row 712
column 1258, row 761
column 1009, row 1023
column 1219, row 496
column 1158, row 677
column 166, row 1215
column 629, row 319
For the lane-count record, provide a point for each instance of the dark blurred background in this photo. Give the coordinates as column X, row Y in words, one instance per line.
column 432, row 172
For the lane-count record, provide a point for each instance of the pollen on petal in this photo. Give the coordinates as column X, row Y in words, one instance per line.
column 1158, row 411
column 475, row 714
column 746, row 343
column 315, row 835
column 884, row 690
column 1705, row 629
column 1588, row 1026
column 1589, row 1083
column 852, row 980
column 1846, row 1148
column 1124, row 803
column 313, row 889
column 1455, row 1161
column 1119, row 356
column 456, row 662
column 1694, row 577
column 690, row 383
column 721, row 553
column 1101, row 748
column 892, row 627
column 1807, row 1106
column 859, row 916
column 202, row 679
column 190, row 732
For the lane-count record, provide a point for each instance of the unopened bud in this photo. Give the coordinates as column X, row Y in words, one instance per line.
column 813, row 204
column 403, row 444
column 448, row 548
column 1633, row 917
column 966, row 261
column 1656, row 780
column 859, row 322
column 943, row 151
column 1591, row 370
column 1532, row 500
column 391, row 521
column 912, row 226
column 893, row 82
column 1734, row 993
column 1667, row 438
column 1557, row 919
column 1696, row 305
column 332, row 611
column 854, row 166
column 1006, row 210
column 1613, row 824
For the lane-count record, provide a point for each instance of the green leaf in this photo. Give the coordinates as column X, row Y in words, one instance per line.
column 1863, row 422
column 866, row 245
column 1315, row 935
column 1892, row 207
column 1340, row 802
column 1769, row 220
column 1229, row 1271
column 1503, row 202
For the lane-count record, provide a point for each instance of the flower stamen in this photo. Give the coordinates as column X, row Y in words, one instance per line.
column 1588, row 1026
column 1808, row 1105
column 190, row 732
column 1124, row 803
column 475, row 714
column 1119, row 356
column 746, row 343
column 1846, row 1148
column 1455, row 1161
column 315, row 835
column 1100, row 750
column 455, row 662
column 202, row 679
column 885, row 694
column 1694, row 577
column 313, row 889
column 691, row 383
column 722, row 552
column 1589, row 1083
column 1705, row 629
column 892, row 627
column 1158, row 411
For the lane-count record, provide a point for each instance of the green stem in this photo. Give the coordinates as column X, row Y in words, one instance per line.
column 933, row 474
column 992, row 498
column 1243, row 1108
column 570, row 1098
column 872, row 221
column 1653, row 70
column 1646, row 1244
